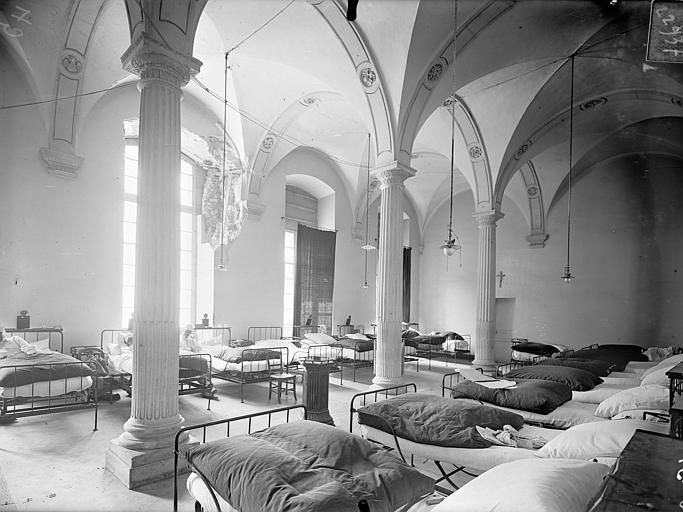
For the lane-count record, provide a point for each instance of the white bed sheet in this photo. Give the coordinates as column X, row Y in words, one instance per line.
column 566, row 415
column 48, row 388
column 473, row 459
column 616, row 379
column 453, row 345
column 200, row 492
column 120, row 363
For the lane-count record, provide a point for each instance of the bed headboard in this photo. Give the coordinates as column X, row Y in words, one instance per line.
column 375, row 395
column 264, row 333
column 204, row 334
column 54, row 335
column 299, row 331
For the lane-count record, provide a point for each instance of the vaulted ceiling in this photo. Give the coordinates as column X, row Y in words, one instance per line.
column 303, row 76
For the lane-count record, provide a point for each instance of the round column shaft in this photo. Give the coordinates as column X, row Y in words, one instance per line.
column 484, row 353
column 389, row 306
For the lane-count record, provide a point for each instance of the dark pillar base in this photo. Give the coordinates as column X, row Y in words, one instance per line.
column 316, row 391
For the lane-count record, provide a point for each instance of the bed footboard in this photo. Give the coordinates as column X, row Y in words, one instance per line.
column 285, row 413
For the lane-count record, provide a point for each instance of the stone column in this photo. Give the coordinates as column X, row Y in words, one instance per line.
column 389, row 306
column 144, row 451
column 484, row 343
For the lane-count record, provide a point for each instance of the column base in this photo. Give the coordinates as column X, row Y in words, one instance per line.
column 386, row 382
column 137, row 468
column 320, row 416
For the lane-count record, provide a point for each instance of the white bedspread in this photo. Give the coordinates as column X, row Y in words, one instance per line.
column 473, row 459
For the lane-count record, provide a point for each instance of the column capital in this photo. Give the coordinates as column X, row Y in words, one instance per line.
column 152, row 59
column 393, row 173
column 488, row 218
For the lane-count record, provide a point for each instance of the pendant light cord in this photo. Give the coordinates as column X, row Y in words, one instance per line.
column 225, row 116
column 367, row 216
column 569, row 174
column 455, row 36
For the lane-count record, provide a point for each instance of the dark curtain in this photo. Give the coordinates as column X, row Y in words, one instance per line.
column 314, row 278
column 406, row 283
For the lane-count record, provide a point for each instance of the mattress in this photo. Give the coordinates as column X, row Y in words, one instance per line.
column 473, row 459
column 349, row 353
column 48, row 388
column 200, row 492
column 566, row 415
column 295, row 353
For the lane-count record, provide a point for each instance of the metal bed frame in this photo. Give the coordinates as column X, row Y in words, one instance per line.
column 359, row 360
column 249, row 418
column 15, row 407
column 430, row 352
column 243, row 376
column 259, row 333
column 384, row 394
column 194, row 375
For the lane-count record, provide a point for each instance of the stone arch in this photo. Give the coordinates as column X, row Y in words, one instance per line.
column 528, row 149
column 368, row 75
column 60, row 154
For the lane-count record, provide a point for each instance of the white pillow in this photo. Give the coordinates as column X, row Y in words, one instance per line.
column 320, row 338
column 648, row 397
column 666, row 364
column 529, row 485
column 656, row 377
column 596, row 439
column 358, row 336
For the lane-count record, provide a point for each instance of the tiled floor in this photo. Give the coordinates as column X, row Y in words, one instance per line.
column 56, row 462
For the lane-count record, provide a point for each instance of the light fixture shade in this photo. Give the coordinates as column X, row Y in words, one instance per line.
column 451, row 246
column 368, row 247
column 567, row 277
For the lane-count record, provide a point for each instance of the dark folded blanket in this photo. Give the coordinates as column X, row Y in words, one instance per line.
column 539, row 396
column 539, row 349
column 429, row 339
column 576, row 378
column 39, row 368
column 305, row 466
column 618, row 358
column 597, row 367
column 435, row 420
column 237, row 355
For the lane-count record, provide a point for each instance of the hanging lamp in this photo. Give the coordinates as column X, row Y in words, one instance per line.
column 567, row 277
column 452, row 242
column 368, row 246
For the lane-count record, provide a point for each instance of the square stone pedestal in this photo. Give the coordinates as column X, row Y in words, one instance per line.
column 138, row 468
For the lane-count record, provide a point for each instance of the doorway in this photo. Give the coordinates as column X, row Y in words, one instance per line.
column 505, row 316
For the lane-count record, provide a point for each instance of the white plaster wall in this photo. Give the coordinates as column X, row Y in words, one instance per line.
column 626, row 253
column 250, row 292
